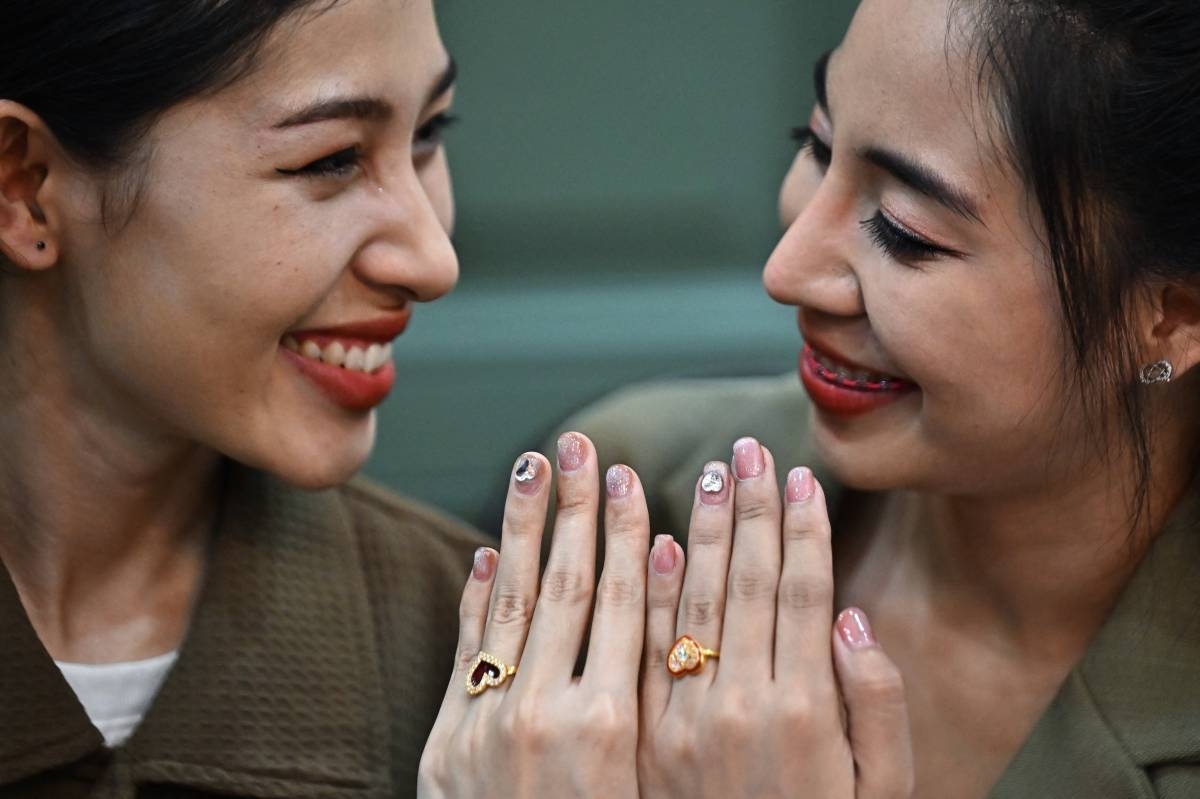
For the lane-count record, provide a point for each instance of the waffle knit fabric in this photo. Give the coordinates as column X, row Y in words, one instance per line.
column 314, row 664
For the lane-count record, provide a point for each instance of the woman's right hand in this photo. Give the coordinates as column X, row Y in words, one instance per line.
column 544, row 732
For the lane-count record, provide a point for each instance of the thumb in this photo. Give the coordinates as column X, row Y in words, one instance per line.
column 877, row 710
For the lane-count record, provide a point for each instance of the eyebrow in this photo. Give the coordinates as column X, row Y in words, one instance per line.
column 922, row 179
column 371, row 109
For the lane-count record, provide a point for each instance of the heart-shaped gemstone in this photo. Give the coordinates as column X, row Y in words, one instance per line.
column 486, row 671
column 685, row 656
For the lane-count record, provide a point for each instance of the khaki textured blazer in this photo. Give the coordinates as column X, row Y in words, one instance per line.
column 314, row 665
column 1126, row 722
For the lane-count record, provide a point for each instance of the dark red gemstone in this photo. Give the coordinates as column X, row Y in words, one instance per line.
column 484, row 668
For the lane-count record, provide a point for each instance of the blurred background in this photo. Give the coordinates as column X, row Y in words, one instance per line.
column 616, row 167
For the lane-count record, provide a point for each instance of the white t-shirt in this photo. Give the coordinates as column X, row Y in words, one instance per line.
column 116, row 696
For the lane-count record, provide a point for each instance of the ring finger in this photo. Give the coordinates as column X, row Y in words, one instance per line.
column 514, row 594
column 710, row 540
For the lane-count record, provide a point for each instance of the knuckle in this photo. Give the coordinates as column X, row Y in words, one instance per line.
column 609, row 720
column 525, row 726
column 566, row 586
column 751, row 508
column 799, row 594
column 702, row 610
column 751, row 584
column 730, row 724
column 618, row 590
column 673, row 746
column 513, row 608
column 575, row 505
column 807, row 530
column 882, row 687
column 703, row 536
column 464, row 656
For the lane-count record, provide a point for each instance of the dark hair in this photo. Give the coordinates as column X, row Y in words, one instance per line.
column 1100, row 103
column 99, row 72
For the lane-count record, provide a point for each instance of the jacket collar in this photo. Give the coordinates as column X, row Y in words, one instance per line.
column 1133, row 702
column 276, row 692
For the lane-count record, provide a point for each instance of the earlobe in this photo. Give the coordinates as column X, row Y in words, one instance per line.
column 26, row 239
column 1176, row 334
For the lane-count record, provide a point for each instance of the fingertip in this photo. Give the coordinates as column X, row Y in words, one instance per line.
column 483, row 569
column 665, row 557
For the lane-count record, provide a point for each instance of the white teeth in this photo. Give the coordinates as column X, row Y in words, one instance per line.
column 356, row 359
column 338, row 354
column 335, row 354
column 374, row 357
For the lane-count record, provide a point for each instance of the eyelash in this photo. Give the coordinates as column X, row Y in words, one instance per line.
column 895, row 239
column 899, row 242
column 808, row 142
column 428, row 138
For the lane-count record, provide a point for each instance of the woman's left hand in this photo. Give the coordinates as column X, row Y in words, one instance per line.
column 797, row 704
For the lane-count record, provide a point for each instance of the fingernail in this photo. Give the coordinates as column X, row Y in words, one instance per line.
column 855, row 630
column 663, row 555
column 619, row 481
column 714, row 484
column 570, row 452
column 748, row 460
column 526, row 474
column 485, row 562
column 800, row 485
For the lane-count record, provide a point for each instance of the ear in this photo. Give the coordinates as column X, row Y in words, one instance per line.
column 1176, row 331
column 27, row 150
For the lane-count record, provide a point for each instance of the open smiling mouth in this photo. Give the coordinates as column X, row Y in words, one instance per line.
column 846, row 390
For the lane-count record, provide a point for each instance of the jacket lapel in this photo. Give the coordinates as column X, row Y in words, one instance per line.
column 1132, row 703
column 277, row 691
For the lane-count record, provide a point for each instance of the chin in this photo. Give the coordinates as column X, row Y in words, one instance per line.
column 863, row 459
column 312, row 460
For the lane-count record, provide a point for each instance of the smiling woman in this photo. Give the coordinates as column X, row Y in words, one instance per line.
column 216, row 219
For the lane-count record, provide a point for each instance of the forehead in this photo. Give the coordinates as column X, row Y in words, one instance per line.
column 905, row 77
column 384, row 48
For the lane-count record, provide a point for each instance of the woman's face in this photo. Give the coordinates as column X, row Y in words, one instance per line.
column 915, row 261
column 285, row 228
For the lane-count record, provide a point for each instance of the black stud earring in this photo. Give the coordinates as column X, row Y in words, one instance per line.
column 41, row 245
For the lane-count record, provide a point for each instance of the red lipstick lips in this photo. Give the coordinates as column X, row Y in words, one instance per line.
column 351, row 364
column 839, row 388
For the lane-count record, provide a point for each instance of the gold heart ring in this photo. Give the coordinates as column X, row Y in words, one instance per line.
column 487, row 671
column 688, row 657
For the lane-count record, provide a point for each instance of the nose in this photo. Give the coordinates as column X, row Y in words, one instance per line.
column 411, row 249
column 812, row 266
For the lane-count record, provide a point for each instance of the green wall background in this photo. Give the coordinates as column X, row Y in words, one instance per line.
column 616, row 168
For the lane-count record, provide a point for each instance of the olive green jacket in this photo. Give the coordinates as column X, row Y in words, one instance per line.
column 314, row 664
column 1125, row 724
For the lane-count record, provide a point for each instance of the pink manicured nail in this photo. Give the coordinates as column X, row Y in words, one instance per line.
column 485, row 563
column 663, row 555
column 800, row 485
column 855, row 630
column 619, row 481
column 714, row 484
column 571, row 452
column 748, row 460
column 527, row 474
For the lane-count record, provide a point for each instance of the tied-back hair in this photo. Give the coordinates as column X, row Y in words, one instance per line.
column 1099, row 103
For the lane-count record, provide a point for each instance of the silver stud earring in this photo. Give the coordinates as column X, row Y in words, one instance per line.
column 1161, row 372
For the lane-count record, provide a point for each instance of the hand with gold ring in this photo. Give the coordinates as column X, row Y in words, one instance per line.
column 515, row 721
column 798, row 704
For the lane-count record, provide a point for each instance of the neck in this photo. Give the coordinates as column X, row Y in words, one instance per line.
column 102, row 523
column 1040, row 571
